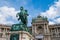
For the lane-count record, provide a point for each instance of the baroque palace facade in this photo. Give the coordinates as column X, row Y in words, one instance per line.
column 41, row 30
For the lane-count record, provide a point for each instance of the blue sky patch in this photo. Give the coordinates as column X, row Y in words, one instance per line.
column 34, row 7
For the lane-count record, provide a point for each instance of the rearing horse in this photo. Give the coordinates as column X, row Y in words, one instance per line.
column 23, row 17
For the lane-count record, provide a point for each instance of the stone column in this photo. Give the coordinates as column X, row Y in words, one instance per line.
column 35, row 32
column 44, row 38
column 4, row 34
column 0, row 29
column 48, row 29
column 49, row 37
column 47, row 33
column 44, row 29
column 8, row 36
column 57, row 32
column 35, row 28
column 6, row 29
column 19, row 36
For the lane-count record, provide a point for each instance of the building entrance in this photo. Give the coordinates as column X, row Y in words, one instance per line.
column 39, row 39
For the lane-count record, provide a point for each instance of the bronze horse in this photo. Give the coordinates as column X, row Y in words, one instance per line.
column 23, row 16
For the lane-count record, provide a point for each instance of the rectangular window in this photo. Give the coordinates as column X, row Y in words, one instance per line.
column 0, row 35
column 39, row 39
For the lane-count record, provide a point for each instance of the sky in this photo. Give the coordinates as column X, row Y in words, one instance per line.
column 48, row 8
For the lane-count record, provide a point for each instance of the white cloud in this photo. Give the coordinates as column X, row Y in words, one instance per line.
column 53, row 12
column 6, row 12
column 51, row 23
column 57, row 20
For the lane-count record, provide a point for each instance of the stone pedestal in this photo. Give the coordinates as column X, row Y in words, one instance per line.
column 21, row 35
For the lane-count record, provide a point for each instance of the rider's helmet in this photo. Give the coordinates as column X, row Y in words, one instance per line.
column 21, row 8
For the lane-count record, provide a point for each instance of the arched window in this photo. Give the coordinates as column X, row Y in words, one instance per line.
column 39, row 27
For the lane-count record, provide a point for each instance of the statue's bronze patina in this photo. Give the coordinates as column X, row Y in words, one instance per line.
column 22, row 26
column 22, row 16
